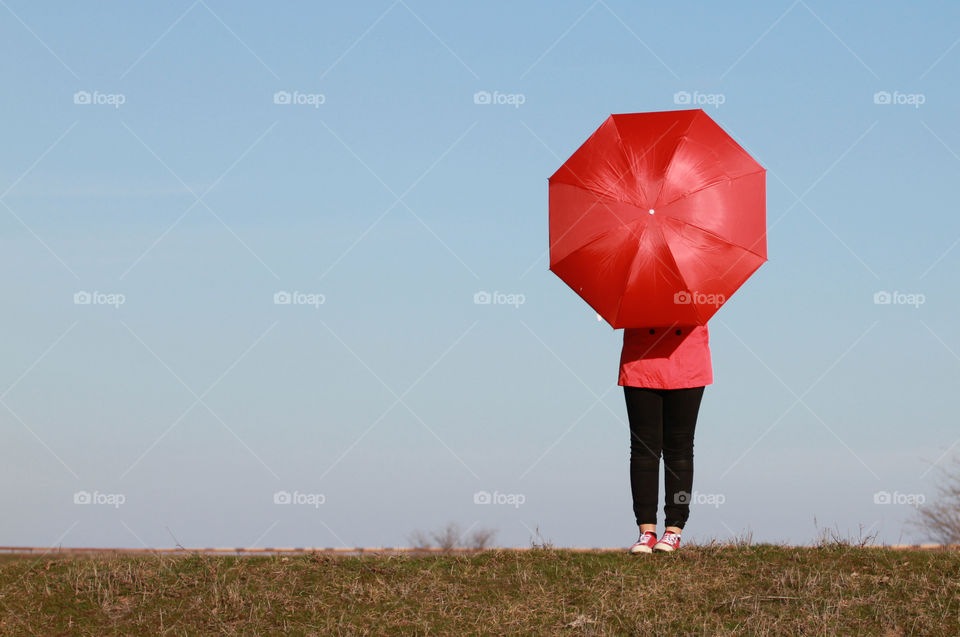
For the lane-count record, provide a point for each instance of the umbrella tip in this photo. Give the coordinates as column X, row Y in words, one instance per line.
column 651, row 211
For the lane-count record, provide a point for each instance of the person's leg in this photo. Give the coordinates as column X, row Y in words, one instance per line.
column 680, row 409
column 644, row 411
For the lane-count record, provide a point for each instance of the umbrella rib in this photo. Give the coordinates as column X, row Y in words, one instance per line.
column 602, row 201
column 714, row 183
column 622, row 146
column 626, row 157
column 579, row 248
column 696, row 253
column 724, row 239
column 630, row 166
column 603, row 196
column 629, row 268
column 683, row 140
column 710, row 232
column 599, row 200
column 582, row 183
column 623, row 286
column 676, row 269
column 598, row 195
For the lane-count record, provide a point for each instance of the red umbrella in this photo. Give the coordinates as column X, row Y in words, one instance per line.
column 657, row 219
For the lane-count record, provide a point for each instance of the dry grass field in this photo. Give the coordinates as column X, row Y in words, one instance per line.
column 729, row 589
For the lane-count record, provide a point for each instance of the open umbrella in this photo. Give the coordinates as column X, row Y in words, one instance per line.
column 657, row 219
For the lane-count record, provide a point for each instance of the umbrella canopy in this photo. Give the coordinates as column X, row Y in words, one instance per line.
column 657, row 219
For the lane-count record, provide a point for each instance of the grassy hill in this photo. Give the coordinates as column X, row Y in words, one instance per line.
column 709, row 590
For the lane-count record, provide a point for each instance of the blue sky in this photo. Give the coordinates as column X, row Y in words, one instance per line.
column 148, row 157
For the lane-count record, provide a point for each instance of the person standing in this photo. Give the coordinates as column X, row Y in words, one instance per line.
column 663, row 371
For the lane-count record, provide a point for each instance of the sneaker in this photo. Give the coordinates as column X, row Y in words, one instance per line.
column 645, row 543
column 669, row 542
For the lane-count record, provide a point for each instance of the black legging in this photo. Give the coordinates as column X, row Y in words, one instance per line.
column 662, row 419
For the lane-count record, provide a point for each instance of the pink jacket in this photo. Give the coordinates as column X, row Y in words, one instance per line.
column 666, row 358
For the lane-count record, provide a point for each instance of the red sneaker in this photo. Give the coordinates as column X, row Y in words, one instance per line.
column 669, row 542
column 645, row 543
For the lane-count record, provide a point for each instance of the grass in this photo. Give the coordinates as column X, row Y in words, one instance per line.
column 714, row 589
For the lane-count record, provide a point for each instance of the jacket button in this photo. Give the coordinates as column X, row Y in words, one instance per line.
column 653, row 331
column 679, row 332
